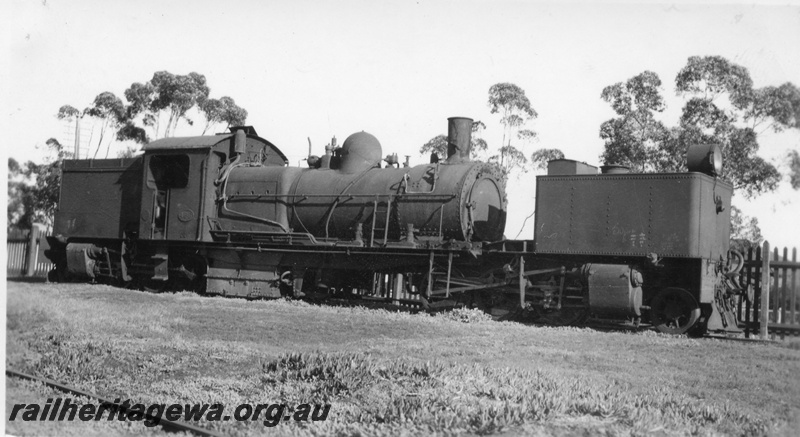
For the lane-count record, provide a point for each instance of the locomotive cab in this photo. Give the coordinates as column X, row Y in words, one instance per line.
column 178, row 187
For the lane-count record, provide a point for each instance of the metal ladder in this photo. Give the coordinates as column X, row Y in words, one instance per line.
column 377, row 210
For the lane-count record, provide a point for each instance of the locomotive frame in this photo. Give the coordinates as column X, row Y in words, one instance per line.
column 225, row 215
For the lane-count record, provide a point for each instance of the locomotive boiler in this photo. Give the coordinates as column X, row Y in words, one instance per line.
column 347, row 196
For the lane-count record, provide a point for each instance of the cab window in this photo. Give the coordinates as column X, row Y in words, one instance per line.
column 168, row 171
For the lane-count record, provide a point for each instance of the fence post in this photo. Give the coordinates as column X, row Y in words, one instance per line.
column 762, row 332
column 33, row 252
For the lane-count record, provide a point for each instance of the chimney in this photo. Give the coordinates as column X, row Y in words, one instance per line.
column 459, row 139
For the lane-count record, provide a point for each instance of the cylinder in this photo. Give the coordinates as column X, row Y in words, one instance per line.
column 459, row 139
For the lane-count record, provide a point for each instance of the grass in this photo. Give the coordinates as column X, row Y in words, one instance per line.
column 389, row 373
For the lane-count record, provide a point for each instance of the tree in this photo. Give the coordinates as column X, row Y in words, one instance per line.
column 110, row 110
column 634, row 137
column 794, row 168
column 165, row 95
column 724, row 108
column 222, row 110
column 745, row 232
column 140, row 98
column 33, row 189
column 515, row 111
column 212, row 110
column 437, row 145
column 176, row 94
column 16, row 196
column 541, row 157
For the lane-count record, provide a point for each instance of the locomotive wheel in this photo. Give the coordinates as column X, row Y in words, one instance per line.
column 674, row 311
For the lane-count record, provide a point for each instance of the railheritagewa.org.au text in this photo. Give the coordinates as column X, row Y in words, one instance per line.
column 61, row 409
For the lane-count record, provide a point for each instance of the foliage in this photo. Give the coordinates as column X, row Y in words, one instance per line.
column 224, row 110
column 509, row 159
column 541, row 157
column 710, row 82
column 68, row 112
column 713, row 76
column 515, row 109
column 745, row 232
column 176, row 94
column 139, row 97
column 165, row 94
column 128, row 152
column 794, row 168
column 111, row 111
column 633, row 138
column 466, row 315
column 17, row 197
column 722, row 107
column 33, row 189
column 129, row 131
column 436, row 145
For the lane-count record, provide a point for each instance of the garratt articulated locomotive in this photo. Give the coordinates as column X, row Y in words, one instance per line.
column 225, row 214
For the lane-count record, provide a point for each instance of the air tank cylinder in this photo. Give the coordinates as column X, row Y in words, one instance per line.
column 614, row 290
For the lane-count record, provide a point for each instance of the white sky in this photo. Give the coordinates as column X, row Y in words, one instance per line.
column 396, row 69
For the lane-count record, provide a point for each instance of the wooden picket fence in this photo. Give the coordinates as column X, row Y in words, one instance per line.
column 26, row 255
column 775, row 308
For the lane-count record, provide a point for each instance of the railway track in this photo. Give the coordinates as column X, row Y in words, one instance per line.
column 167, row 425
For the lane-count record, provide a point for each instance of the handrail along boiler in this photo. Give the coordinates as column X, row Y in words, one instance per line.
column 225, row 214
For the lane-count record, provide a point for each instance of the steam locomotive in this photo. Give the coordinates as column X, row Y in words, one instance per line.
column 226, row 215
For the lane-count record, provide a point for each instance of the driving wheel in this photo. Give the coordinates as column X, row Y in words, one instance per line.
column 674, row 311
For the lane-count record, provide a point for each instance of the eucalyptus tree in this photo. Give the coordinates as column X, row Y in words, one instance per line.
column 106, row 108
column 723, row 107
column 33, row 189
column 541, row 157
column 515, row 110
column 176, row 95
column 109, row 109
column 222, row 110
column 634, row 136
